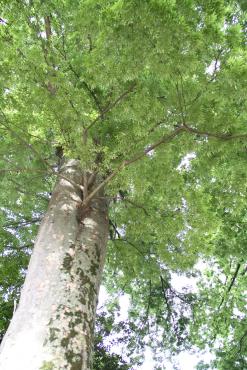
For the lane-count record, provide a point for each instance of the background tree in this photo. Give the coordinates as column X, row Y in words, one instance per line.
column 115, row 96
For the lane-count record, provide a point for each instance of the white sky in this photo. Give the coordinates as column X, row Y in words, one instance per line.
column 185, row 360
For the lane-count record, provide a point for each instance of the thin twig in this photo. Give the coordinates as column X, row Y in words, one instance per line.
column 130, row 243
column 133, row 204
column 86, row 86
column 111, row 106
column 20, row 190
column 17, row 224
column 213, row 77
column 17, row 170
column 120, row 238
column 164, row 289
column 23, row 141
column 224, row 137
column 148, row 305
column 180, row 104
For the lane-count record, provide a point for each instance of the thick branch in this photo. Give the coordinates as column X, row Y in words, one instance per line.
column 165, row 139
column 79, row 187
column 234, row 277
column 47, row 27
column 126, row 163
column 85, row 179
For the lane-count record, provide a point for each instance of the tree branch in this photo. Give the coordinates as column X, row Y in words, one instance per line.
column 165, row 139
column 164, row 289
column 112, row 105
column 23, row 141
column 86, row 86
column 213, row 77
column 18, row 188
column 212, row 134
column 48, row 27
column 122, row 196
column 120, row 238
column 19, row 248
column 125, row 163
column 148, row 305
column 77, row 186
column 231, row 283
column 23, row 223
column 234, row 277
column 4, row 170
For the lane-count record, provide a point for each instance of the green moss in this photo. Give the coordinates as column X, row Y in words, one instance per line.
column 53, row 334
column 84, row 278
column 97, row 251
column 94, row 268
column 47, row 365
column 67, row 262
column 75, row 361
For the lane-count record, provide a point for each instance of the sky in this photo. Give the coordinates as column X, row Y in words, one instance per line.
column 185, row 360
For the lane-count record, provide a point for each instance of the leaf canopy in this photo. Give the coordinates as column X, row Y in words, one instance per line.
column 158, row 90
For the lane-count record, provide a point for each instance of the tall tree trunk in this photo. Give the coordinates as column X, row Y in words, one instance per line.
column 53, row 325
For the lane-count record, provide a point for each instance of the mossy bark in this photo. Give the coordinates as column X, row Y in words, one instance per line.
column 54, row 322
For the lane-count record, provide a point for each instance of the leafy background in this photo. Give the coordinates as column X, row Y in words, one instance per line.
column 131, row 73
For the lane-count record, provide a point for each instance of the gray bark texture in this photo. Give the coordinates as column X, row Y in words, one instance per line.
column 52, row 328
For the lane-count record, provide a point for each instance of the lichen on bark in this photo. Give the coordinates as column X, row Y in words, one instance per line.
column 61, row 289
column 47, row 366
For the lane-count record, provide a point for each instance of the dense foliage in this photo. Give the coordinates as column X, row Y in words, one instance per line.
column 152, row 95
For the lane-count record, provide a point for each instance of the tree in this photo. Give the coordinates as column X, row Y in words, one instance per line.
column 101, row 104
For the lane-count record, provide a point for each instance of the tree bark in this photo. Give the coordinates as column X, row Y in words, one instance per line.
column 52, row 328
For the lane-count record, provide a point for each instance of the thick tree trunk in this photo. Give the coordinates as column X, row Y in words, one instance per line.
column 53, row 325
